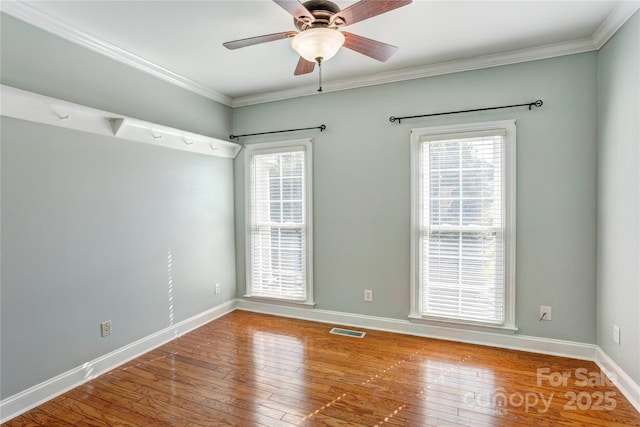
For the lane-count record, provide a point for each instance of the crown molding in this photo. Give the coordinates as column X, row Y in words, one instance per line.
column 614, row 21
column 31, row 15
column 617, row 18
column 449, row 67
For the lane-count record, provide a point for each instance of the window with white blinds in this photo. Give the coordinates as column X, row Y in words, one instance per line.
column 278, row 221
column 463, row 220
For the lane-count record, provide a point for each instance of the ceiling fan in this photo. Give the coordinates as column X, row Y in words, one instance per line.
column 319, row 37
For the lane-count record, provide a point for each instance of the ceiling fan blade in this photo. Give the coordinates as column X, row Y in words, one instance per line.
column 304, row 67
column 236, row 44
column 365, row 9
column 296, row 9
column 372, row 48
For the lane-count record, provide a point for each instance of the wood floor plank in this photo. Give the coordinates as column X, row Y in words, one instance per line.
column 250, row 369
column 35, row 417
column 199, row 399
column 96, row 410
column 58, row 411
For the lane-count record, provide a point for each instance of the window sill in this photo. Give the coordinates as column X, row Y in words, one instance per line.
column 285, row 302
column 468, row 326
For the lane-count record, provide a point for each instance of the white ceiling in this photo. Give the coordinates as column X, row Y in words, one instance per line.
column 181, row 41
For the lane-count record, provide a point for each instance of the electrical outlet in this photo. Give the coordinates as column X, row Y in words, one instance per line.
column 545, row 312
column 368, row 295
column 216, row 288
column 105, row 328
column 616, row 334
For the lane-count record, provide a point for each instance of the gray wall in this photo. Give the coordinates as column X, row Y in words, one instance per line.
column 89, row 222
column 97, row 228
column 35, row 60
column 361, row 186
column 619, row 197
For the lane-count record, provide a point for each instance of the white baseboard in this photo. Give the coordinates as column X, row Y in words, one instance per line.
column 619, row 377
column 47, row 390
column 40, row 393
column 575, row 350
column 549, row 346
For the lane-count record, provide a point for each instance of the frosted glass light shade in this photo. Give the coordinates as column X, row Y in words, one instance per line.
column 317, row 43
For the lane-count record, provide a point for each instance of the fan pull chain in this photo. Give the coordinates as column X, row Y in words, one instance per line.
column 319, row 59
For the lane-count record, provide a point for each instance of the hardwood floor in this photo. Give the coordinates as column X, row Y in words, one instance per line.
column 249, row 369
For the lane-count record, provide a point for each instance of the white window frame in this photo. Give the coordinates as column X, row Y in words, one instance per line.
column 509, row 189
column 281, row 147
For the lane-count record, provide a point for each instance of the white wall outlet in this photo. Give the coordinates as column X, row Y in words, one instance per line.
column 368, row 295
column 216, row 288
column 105, row 328
column 545, row 312
column 616, row 334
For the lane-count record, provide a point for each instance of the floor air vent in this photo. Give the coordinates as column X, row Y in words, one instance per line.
column 347, row 333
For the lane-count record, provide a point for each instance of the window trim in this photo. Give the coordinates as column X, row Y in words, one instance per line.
column 509, row 189
column 279, row 147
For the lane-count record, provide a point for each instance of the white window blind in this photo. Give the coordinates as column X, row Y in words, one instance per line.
column 278, row 225
column 461, row 241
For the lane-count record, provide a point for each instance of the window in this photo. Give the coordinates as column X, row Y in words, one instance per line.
column 463, row 224
column 278, row 221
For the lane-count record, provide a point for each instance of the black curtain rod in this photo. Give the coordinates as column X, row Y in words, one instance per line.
column 537, row 103
column 321, row 127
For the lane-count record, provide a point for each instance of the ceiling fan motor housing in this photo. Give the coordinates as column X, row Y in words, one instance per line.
column 322, row 11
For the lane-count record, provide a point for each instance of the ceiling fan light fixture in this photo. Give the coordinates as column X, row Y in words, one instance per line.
column 316, row 43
